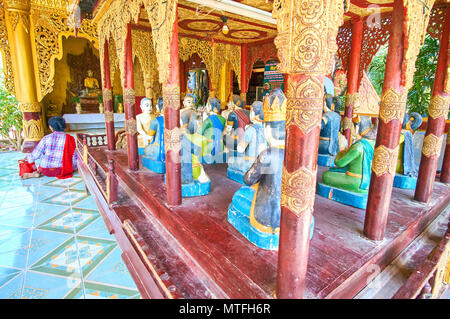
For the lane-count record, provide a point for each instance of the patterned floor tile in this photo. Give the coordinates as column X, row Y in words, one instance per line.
column 14, row 202
column 46, row 192
column 67, row 259
column 43, row 243
column 13, row 252
column 97, row 229
column 79, row 186
column 9, row 232
column 70, row 221
column 97, row 291
column 64, row 183
column 88, row 203
column 44, row 212
column 66, row 198
column 41, row 286
column 6, row 274
column 18, row 216
column 112, row 271
column 13, row 288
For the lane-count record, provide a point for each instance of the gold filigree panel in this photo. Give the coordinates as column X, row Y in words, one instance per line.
column 307, row 31
column 130, row 126
column 393, row 105
column 30, row 107
column 171, row 96
column 432, row 145
column 172, row 140
column 4, row 47
column 384, row 160
column 298, row 190
column 50, row 26
column 304, row 103
column 439, row 106
column 33, row 130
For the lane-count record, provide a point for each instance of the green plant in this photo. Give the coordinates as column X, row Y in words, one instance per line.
column 10, row 117
column 420, row 92
column 76, row 99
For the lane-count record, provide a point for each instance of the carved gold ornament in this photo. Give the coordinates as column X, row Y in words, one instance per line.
column 347, row 123
column 439, row 106
column 5, row 49
column 109, row 116
column 384, row 160
column 128, row 96
column 307, row 31
column 30, row 107
column 298, row 190
column 171, row 96
column 130, row 126
column 33, row 130
column 393, row 105
column 415, row 25
column 107, row 95
column 304, row 103
column 352, row 100
column 50, row 26
column 172, row 140
column 432, row 145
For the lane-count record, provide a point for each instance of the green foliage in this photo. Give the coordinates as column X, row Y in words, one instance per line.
column 420, row 93
column 10, row 116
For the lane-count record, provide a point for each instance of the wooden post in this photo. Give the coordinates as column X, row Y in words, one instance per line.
column 129, row 104
column 352, row 77
column 300, row 168
column 107, row 99
column 244, row 80
column 445, row 170
column 111, row 183
column 397, row 80
column 172, row 142
column 437, row 114
column 305, row 48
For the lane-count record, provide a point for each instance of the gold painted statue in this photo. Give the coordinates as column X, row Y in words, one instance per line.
column 91, row 86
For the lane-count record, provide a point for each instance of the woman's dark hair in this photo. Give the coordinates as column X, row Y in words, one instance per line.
column 57, row 123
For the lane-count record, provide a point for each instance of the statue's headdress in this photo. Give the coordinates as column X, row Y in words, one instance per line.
column 214, row 103
column 257, row 108
column 274, row 106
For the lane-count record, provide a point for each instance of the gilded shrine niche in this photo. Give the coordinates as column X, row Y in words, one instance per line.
column 85, row 82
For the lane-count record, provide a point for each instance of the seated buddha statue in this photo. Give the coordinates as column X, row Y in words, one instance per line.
column 212, row 129
column 143, row 121
column 194, row 180
column 353, row 165
column 154, row 157
column 91, row 86
column 406, row 169
column 255, row 208
column 234, row 102
column 188, row 109
column 238, row 119
column 252, row 143
column 329, row 133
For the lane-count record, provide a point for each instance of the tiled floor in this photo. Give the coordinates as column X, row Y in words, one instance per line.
column 53, row 241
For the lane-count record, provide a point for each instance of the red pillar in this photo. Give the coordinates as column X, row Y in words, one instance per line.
column 437, row 114
column 107, row 99
column 303, row 118
column 392, row 108
column 171, row 97
column 352, row 77
column 244, row 80
column 129, row 103
column 445, row 170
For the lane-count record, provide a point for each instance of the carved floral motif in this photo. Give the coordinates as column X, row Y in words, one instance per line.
column 298, row 190
column 30, row 107
column 432, row 145
column 439, row 106
column 393, row 105
column 172, row 140
column 33, row 130
column 171, row 96
column 384, row 160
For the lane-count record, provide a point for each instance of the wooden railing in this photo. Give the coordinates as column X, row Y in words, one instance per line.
column 428, row 280
column 105, row 180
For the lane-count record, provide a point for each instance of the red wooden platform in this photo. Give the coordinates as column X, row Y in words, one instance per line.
column 191, row 251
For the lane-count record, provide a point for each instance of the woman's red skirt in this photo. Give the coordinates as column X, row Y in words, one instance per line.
column 50, row 172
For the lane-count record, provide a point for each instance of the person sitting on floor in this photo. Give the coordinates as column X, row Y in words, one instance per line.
column 56, row 152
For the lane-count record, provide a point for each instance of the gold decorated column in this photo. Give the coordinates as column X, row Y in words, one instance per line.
column 17, row 18
column 306, row 44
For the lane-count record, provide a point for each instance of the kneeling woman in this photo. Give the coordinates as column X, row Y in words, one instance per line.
column 56, row 152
